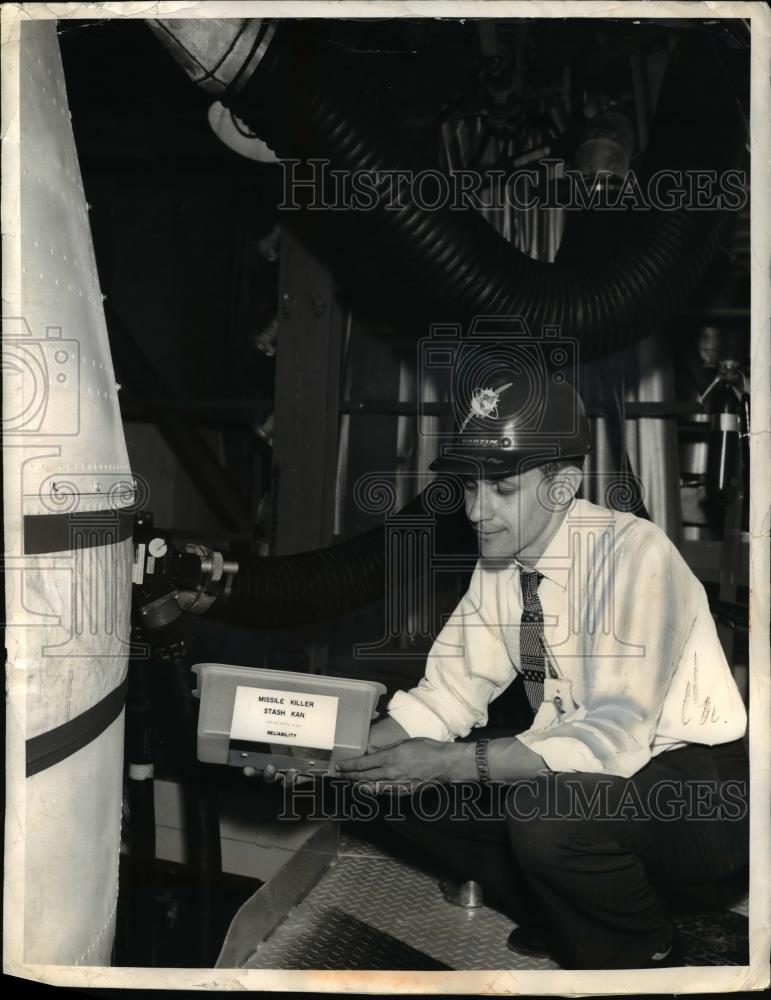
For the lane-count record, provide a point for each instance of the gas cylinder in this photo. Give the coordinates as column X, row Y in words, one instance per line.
column 724, row 452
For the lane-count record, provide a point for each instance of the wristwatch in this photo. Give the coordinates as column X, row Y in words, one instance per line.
column 480, row 756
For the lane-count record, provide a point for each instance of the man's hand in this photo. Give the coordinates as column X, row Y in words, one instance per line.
column 385, row 733
column 410, row 762
column 413, row 761
column 270, row 775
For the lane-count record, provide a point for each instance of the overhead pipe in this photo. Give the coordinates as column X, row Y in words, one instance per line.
column 322, row 585
column 457, row 266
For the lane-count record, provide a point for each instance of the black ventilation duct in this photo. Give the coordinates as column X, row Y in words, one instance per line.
column 451, row 264
column 278, row 591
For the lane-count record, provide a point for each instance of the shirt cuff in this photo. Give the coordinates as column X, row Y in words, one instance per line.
column 562, row 753
column 416, row 719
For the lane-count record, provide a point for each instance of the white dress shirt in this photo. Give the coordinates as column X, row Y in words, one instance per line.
column 628, row 633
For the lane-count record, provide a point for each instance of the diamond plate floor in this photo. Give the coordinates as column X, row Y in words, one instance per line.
column 370, row 911
column 715, row 938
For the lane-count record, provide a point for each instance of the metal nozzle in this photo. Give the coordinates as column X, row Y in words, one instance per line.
column 465, row 894
column 606, row 146
column 218, row 54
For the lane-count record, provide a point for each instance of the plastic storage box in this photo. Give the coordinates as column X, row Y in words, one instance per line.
column 251, row 716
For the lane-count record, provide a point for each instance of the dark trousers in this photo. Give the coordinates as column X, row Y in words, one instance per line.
column 598, row 860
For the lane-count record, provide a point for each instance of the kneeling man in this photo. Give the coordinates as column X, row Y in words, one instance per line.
column 627, row 778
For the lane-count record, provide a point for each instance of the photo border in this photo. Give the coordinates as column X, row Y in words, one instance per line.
column 690, row 979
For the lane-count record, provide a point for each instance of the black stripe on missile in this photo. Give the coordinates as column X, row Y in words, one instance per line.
column 75, row 530
column 57, row 744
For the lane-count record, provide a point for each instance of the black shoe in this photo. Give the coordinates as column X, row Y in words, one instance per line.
column 531, row 941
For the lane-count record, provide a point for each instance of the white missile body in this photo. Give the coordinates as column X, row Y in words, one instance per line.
column 67, row 487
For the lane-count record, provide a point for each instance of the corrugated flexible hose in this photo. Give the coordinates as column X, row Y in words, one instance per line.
column 463, row 268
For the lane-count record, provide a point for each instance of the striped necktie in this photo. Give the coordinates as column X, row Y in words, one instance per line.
column 531, row 652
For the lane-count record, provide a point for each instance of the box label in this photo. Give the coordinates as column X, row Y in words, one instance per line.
column 265, row 715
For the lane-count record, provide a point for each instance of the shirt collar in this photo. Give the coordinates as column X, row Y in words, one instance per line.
column 555, row 561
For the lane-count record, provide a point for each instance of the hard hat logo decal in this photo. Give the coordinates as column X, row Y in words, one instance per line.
column 484, row 403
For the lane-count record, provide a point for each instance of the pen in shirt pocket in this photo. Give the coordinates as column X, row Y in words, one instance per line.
column 556, row 679
column 551, row 660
